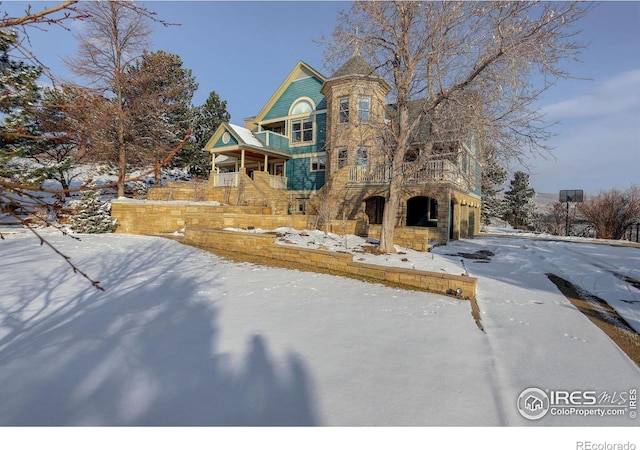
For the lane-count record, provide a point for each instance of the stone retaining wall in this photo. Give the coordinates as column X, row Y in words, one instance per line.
column 160, row 217
column 263, row 246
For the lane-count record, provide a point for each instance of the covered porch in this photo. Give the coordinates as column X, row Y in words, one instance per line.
column 237, row 151
column 227, row 166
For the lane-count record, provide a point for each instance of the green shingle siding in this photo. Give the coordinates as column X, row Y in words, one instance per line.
column 231, row 142
column 300, row 176
column 306, row 87
column 321, row 135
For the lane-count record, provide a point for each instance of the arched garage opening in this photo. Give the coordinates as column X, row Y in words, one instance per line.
column 422, row 212
column 374, row 207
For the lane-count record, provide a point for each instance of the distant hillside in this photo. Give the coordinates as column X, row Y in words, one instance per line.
column 543, row 200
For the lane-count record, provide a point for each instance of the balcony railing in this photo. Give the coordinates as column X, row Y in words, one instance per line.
column 274, row 140
column 432, row 171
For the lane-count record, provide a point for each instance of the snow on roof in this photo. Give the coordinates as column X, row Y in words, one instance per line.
column 246, row 135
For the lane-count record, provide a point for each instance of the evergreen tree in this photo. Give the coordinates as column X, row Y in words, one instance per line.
column 493, row 177
column 91, row 216
column 19, row 92
column 519, row 209
column 157, row 95
column 205, row 120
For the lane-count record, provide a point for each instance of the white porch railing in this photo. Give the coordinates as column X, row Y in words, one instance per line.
column 231, row 179
column 278, row 182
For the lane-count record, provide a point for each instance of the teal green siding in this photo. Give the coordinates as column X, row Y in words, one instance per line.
column 306, row 87
column 321, row 135
column 231, row 143
column 273, row 140
column 300, row 177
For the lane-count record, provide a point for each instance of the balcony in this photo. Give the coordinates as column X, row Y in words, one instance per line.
column 435, row 171
column 273, row 140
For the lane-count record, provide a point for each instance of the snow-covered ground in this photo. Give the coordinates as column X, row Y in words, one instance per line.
column 183, row 337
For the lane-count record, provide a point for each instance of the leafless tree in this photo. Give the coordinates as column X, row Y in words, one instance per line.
column 325, row 207
column 116, row 34
column 612, row 212
column 459, row 67
column 17, row 194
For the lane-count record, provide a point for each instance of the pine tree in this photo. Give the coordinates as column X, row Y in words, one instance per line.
column 91, row 216
column 205, row 120
column 519, row 209
column 19, row 92
column 157, row 95
column 493, row 177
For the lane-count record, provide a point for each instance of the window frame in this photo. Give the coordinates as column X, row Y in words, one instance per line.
column 362, row 162
column 303, row 131
column 361, row 111
column 343, row 109
column 320, row 161
column 342, row 161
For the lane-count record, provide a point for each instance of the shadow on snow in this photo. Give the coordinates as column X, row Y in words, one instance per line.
column 127, row 357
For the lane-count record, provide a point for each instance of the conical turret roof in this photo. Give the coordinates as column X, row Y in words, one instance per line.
column 356, row 65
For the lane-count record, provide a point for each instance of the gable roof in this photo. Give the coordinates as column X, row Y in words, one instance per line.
column 301, row 69
column 240, row 137
column 245, row 136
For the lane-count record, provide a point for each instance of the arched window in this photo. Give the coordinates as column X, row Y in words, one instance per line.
column 302, row 106
column 302, row 125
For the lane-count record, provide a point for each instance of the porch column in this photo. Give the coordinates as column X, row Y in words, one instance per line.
column 213, row 162
column 266, row 162
column 242, row 159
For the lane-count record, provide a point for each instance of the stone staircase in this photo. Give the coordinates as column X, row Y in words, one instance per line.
column 277, row 200
column 250, row 192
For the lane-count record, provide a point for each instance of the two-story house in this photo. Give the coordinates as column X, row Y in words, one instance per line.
column 317, row 134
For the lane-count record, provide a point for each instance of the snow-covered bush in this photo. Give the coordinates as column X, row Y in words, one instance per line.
column 91, row 215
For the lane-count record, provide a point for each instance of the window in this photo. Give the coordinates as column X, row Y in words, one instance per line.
column 318, row 163
column 342, row 157
column 301, row 205
column 364, row 109
column 363, row 156
column 344, row 109
column 302, row 107
column 302, row 130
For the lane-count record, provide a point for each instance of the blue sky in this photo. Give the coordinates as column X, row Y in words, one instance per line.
column 243, row 50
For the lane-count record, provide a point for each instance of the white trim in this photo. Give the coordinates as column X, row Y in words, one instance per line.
column 300, row 100
column 317, row 159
